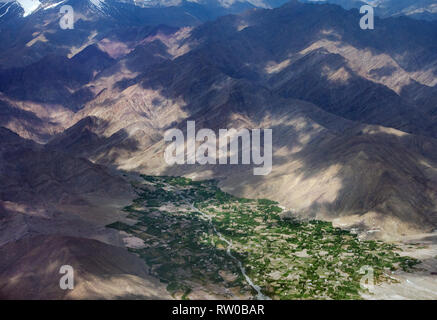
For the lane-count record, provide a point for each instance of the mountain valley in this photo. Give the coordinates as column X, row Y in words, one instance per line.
column 83, row 114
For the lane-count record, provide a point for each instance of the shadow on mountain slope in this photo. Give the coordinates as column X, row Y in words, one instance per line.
column 30, row 270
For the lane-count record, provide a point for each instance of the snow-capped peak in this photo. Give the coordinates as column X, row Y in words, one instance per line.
column 29, row 6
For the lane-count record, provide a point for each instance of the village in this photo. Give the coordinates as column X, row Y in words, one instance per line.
column 194, row 238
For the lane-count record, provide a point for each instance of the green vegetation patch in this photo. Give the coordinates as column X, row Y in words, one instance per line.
column 185, row 223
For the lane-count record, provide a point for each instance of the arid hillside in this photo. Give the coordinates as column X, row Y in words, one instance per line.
column 352, row 114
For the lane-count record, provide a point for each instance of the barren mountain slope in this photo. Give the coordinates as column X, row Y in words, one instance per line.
column 53, row 212
column 331, row 57
column 246, row 71
column 323, row 166
column 32, row 175
column 25, row 40
column 319, row 53
column 352, row 112
column 367, row 177
column 33, row 120
column 29, row 269
column 54, row 193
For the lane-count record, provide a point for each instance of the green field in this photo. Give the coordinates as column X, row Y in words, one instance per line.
column 287, row 258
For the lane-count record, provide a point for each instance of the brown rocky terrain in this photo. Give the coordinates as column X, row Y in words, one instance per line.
column 335, row 158
column 53, row 211
column 101, row 271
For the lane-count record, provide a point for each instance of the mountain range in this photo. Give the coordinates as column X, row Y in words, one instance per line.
column 84, row 111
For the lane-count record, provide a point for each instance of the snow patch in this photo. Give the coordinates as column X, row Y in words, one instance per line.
column 29, row 6
column 54, row 5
